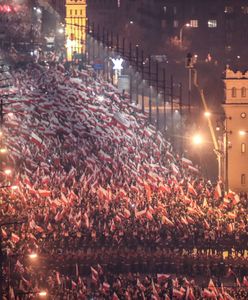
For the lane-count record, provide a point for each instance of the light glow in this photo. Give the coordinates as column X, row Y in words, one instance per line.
column 42, row 293
column 7, row 172
column 242, row 132
column 197, row 139
column 33, row 255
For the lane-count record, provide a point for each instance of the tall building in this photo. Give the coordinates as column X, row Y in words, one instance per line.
column 235, row 144
column 75, row 27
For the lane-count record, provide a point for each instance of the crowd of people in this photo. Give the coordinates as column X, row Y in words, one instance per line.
column 98, row 185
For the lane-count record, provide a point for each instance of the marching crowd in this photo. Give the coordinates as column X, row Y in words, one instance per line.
column 98, row 185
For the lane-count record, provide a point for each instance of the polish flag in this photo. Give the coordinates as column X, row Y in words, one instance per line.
column 73, row 284
column 105, row 287
column 45, row 179
column 191, row 189
column 208, row 294
column 186, row 162
column 174, row 168
column 127, row 213
column 140, row 213
column 167, row 221
column 87, row 221
column 115, row 297
column 39, row 229
column 36, row 140
column 217, row 191
column 184, row 221
column 4, row 233
column 44, row 193
column 212, row 287
column 232, row 215
column 161, row 277
column 236, row 199
column 134, row 189
column 149, row 215
column 245, row 281
column 238, row 282
column 178, row 293
column 58, row 278
column 193, row 169
column 15, row 238
column 190, row 294
column 94, row 274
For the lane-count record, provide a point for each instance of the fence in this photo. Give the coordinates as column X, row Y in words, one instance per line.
column 142, row 76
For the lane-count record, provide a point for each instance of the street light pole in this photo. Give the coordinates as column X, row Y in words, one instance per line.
column 181, row 34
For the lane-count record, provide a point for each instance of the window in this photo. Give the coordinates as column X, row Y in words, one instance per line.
column 228, row 10
column 243, row 92
column 174, row 10
column 212, row 23
column 164, row 9
column 175, row 23
column 194, row 23
column 70, row 11
column 243, row 148
column 234, row 92
column 242, row 178
column 81, row 12
column 75, row 12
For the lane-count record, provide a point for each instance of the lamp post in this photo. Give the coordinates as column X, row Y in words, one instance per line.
column 222, row 150
column 187, row 25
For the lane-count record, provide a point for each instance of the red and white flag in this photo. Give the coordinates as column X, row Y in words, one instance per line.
column 217, row 191
column 15, row 238
column 36, row 140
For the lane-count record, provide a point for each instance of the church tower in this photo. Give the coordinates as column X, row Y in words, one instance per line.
column 235, row 144
column 75, row 27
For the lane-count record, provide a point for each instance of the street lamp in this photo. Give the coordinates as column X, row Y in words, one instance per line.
column 187, row 25
column 7, row 172
column 243, row 132
column 222, row 152
column 197, row 139
column 33, row 255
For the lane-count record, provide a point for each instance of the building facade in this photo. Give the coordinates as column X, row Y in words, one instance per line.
column 235, row 144
column 75, row 27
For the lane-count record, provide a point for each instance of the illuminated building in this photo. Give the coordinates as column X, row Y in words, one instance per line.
column 235, row 147
column 75, row 27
